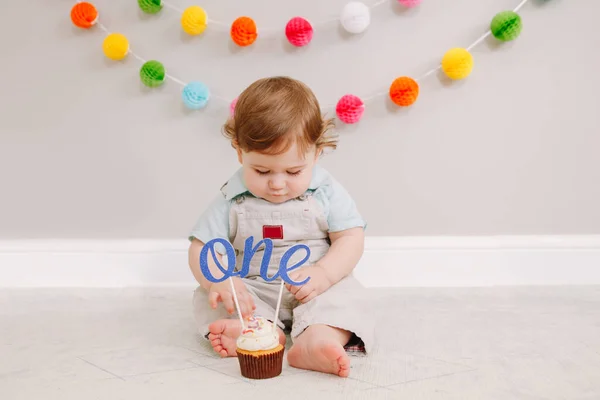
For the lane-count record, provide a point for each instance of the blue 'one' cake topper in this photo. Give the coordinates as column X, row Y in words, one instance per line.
column 249, row 251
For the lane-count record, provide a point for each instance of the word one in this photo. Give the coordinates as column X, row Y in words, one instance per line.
column 249, row 251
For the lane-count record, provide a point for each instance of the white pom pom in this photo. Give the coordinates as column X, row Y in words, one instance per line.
column 355, row 17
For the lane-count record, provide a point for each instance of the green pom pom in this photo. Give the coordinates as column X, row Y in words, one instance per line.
column 152, row 74
column 506, row 26
column 150, row 6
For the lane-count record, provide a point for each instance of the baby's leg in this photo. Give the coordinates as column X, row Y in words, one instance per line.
column 220, row 328
column 327, row 328
column 321, row 348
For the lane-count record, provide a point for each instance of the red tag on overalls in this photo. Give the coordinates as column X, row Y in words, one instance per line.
column 273, row 231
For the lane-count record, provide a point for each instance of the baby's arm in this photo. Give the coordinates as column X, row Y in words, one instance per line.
column 221, row 291
column 194, row 262
column 213, row 224
column 341, row 258
column 346, row 249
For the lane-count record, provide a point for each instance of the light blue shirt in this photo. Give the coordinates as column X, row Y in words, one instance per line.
column 339, row 208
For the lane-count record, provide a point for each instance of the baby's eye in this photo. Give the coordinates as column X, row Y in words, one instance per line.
column 261, row 172
column 295, row 173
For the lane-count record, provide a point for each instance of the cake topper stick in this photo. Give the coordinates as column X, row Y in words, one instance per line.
column 237, row 304
column 278, row 304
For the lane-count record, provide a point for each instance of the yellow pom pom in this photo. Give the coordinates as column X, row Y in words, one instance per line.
column 193, row 20
column 457, row 63
column 115, row 46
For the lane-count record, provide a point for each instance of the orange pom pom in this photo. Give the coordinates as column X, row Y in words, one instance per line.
column 84, row 15
column 404, row 91
column 243, row 31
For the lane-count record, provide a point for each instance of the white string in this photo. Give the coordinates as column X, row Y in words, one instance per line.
column 378, row 3
column 517, row 8
column 218, row 23
column 220, row 98
column 171, row 77
column 136, row 56
column 478, row 41
column 430, row 72
column 172, row 7
column 104, row 28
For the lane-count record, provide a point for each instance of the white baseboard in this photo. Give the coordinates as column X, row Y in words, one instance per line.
column 387, row 262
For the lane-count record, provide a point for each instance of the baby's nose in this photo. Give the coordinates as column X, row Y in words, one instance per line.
column 277, row 184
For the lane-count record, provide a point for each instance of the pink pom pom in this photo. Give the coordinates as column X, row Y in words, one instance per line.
column 232, row 106
column 299, row 31
column 409, row 3
column 350, row 109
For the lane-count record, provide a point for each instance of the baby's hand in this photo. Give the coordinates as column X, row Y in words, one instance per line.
column 319, row 282
column 222, row 292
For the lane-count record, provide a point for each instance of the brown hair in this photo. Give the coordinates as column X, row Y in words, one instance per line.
column 273, row 113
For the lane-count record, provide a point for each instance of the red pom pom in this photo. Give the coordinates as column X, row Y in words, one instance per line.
column 299, row 31
column 350, row 109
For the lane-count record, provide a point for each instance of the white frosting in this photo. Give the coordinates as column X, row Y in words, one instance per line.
column 258, row 335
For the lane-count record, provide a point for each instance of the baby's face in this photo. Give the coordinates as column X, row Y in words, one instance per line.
column 278, row 178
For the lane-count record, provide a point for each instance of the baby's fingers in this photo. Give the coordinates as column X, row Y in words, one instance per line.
column 303, row 292
column 308, row 298
column 228, row 302
column 246, row 303
column 296, row 276
column 213, row 299
column 294, row 289
column 251, row 304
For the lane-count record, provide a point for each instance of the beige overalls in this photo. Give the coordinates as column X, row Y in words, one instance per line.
column 298, row 221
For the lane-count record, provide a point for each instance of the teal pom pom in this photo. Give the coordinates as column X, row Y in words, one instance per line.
column 195, row 95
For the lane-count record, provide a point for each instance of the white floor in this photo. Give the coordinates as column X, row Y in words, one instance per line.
column 484, row 344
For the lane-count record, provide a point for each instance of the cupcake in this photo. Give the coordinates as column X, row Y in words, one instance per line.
column 258, row 349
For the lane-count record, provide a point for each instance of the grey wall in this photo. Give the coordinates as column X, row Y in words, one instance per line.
column 85, row 152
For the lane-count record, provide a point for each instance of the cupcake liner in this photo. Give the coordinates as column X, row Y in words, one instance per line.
column 263, row 366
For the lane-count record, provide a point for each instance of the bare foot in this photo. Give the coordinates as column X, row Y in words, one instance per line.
column 316, row 350
column 224, row 333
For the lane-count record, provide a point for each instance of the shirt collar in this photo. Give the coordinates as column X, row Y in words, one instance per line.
column 235, row 185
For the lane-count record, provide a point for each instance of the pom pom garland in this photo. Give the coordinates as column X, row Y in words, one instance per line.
column 404, row 91
column 506, row 26
column 350, row 109
column 84, row 15
column 355, row 17
column 115, row 46
column 150, row 6
column 243, row 31
column 193, row 20
column 195, row 95
column 457, row 63
column 152, row 73
column 299, row 31
column 409, row 3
